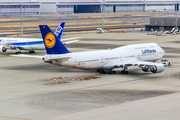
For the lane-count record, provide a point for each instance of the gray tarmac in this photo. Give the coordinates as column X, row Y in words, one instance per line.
column 33, row 90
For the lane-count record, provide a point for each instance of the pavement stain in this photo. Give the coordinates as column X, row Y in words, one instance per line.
column 66, row 78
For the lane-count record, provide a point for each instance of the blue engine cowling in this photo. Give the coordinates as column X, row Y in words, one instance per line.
column 157, row 69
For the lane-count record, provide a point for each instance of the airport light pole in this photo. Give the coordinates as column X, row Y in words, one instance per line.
column 21, row 21
column 176, row 13
column 176, row 18
column 103, row 12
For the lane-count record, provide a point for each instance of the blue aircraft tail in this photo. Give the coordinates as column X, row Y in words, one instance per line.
column 58, row 32
column 52, row 44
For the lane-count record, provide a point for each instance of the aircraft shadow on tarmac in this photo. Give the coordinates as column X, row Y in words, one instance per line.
column 57, row 69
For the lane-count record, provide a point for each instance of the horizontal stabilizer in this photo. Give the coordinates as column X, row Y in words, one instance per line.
column 70, row 38
column 65, row 43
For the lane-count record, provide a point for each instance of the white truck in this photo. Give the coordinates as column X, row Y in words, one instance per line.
column 100, row 30
column 166, row 62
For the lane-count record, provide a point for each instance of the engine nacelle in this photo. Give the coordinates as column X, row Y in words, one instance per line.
column 157, row 69
column 2, row 48
column 145, row 69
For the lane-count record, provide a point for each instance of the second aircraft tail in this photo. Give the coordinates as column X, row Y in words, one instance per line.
column 58, row 32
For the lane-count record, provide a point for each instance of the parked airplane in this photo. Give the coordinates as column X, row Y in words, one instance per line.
column 105, row 61
column 31, row 44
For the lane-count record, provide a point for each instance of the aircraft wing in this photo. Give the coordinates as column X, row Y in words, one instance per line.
column 129, row 63
column 32, row 56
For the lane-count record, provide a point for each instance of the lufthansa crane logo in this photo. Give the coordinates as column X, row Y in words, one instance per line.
column 50, row 40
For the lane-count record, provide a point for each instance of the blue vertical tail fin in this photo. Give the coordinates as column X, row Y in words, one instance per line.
column 52, row 44
column 58, row 32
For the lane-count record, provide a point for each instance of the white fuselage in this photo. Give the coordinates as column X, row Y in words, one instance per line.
column 28, row 43
column 108, row 58
column 23, row 43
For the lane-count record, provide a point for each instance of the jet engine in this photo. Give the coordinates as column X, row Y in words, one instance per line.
column 145, row 69
column 157, row 69
column 2, row 48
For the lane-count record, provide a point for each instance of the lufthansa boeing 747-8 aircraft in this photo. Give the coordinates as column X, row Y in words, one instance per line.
column 31, row 44
column 104, row 61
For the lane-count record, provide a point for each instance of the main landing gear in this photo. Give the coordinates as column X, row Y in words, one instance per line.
column 32, row 51
column 125, row 70
column 105, row 71
column 111, row 71
column 18, row 51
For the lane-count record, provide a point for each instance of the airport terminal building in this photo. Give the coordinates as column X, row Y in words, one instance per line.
column 85, row 6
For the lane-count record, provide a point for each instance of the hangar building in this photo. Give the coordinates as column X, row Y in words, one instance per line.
column 163, row 23
column 85, row 6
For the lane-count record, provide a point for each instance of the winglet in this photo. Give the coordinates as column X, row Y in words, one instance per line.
column 52, row 44
column 58, row 32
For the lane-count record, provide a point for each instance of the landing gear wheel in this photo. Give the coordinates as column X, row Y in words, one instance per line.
column 102, row 71
column 105, row 71
column 32, row 51
column 98, row 70
column 18, row 52
column 111, row 72
column 125, row 71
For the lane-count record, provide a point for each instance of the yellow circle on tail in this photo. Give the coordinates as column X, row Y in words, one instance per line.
column 50, row 40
